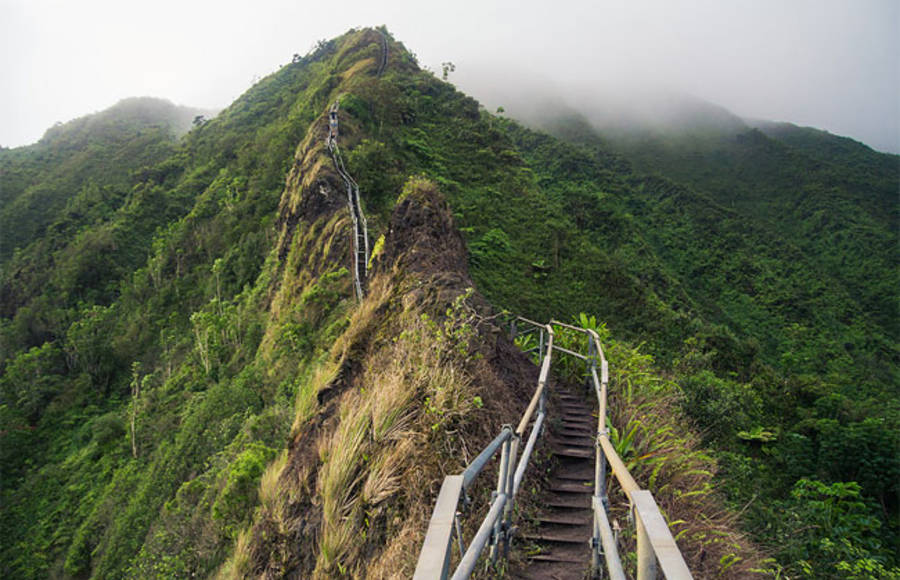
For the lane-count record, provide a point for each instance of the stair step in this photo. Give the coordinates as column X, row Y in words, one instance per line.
column 578, row 440
column 577, row 425
column 560, row 556
column 579, row 473
column 581, row 452
column 573, row 401
column 585, row 436
column 570, row 395
column 569, row 442
column 570, row 519
column 553, row 570
column 561, row 535
column 569, row 486
column 581, row 419
column 572, row 501
column 576, row 409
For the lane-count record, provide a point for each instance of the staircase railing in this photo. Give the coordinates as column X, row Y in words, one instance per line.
column 496, row 527
column 360, row 228
column 656, row 547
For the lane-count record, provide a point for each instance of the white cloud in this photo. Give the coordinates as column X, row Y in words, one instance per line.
column 827, row 63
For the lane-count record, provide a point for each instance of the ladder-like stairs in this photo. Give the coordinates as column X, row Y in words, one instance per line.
column 560, row 545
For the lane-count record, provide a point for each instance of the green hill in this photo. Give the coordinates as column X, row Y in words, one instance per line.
column 189, row 386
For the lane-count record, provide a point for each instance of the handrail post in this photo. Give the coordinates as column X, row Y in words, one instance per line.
column 510, row 477
column 502, row 485
column 510, row 487
column 646, row 559
column 600, row 472
column 541, row 345
column 590, row 365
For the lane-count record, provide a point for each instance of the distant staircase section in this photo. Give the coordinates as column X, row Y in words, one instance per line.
column 382, row 62
column 573, row 536
column 360, row 229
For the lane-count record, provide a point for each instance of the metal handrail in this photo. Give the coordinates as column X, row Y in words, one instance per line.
column 360, row 227
column 495, row 529
column 656, row 547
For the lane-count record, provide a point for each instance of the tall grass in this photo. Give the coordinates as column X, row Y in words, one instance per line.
column 414, row 387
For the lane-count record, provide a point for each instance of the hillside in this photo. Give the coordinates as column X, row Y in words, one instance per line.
column 786, row 236
column 82, row 164
column 189, row 386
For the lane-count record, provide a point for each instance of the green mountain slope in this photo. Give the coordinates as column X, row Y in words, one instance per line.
column 190, row 388
column 80, row 171
column 789, row 241
column 833, row 198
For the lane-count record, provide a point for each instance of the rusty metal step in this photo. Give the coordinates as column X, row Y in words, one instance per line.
column 575, row 501
column 576, row 424
column 574, row 418
column 575, row 410
column 577, row 473
column 555, row 438
column 560, row 534
column 557, row 555
column 565, row 517
column 569, row 486
column 583, row 435
column 553, row 570
column 572, row 399
column 580, row 452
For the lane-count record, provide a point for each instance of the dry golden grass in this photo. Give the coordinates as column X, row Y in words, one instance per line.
column 238, row 565
column 268, row 483
column 306, row 403
column 413, row 386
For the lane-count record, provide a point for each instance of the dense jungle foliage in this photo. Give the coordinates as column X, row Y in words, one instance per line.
column 149, row 377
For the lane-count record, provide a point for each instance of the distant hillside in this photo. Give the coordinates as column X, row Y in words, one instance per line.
column 834, row 198
column 96, row 151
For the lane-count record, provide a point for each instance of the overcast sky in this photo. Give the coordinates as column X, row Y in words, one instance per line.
column 831, row 64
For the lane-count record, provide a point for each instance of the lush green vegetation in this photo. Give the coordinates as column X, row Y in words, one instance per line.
column 789, row 248
column 166, row 314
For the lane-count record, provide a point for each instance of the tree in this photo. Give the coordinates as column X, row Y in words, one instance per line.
column 447, row 68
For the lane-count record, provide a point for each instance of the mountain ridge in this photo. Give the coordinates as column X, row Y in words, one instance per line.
column 226, row 337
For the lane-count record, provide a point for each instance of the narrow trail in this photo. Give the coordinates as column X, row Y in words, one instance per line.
column 562, row 538
column 571, row 538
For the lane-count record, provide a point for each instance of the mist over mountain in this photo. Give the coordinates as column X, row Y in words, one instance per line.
column 191, row 385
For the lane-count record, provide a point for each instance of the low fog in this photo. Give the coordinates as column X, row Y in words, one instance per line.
column 830, row 64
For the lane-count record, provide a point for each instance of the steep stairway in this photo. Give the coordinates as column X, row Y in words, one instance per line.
column 563, row 535
column 360, row 228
